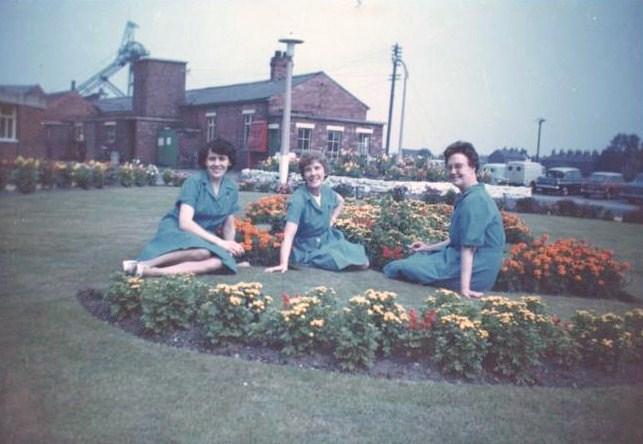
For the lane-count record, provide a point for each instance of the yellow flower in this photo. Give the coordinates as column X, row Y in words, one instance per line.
column 317, row 323
column 234, row 300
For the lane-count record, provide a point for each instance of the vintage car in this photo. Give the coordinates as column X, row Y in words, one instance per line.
column 563, row 180
column 633, row 191
column 604, row 184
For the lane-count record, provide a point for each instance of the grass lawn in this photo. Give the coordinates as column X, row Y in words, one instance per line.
column 66, row 377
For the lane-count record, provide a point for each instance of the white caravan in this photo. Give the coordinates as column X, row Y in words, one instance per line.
column 496, row 172
column 523, row 172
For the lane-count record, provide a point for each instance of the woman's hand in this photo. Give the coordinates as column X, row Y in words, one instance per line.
column 470, row 294
column 280, row 268
column 418, row 246
column 232, row 247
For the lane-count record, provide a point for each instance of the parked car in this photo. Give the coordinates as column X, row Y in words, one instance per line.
column 633, row 191
column 523, row 172
column 563, row 180
column 496, row 173
column 604, row 184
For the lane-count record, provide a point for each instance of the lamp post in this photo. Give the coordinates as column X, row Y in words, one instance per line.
column 285, row 123
column 406, row 77
column 540, row 124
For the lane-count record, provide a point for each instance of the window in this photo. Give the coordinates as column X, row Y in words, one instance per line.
column 79, row 133
column 110, row 132
column 8, row 122
column 303, row 138
column 211, row 126
column 247, row 123
column 334, row 144
column 363, row 143
column 274, row 139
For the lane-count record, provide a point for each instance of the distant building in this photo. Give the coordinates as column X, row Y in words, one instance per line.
column 505, row 155
column 583, row 160
column 419, row 152
column 163, row 123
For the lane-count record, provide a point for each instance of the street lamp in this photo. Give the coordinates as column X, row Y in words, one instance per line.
column 540, row 124
column 285, row 123
column 406, row 77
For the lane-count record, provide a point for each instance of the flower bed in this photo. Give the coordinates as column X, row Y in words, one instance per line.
column 384, row 234
column 494, row 337
column 566, row 266
column 29, row 174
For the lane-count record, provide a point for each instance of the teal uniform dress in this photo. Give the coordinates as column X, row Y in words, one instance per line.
column 316, row 243
column 476, row 222
column 210, row 212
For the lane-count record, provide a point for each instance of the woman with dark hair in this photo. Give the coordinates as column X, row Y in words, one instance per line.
column 186, row 241
column 469, row 260
column 309, row 236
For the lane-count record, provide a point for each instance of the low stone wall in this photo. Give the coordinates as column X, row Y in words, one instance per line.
column 367, row 187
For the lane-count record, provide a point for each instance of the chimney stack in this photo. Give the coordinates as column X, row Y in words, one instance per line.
column 278, row 66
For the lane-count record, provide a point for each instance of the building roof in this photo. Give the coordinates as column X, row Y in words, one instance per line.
column 28, row 95
column 114, row 104
column 242, row 92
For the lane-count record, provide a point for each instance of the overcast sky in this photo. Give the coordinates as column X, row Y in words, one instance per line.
column 481, row 71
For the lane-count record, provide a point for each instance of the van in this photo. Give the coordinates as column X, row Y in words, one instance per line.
column 495, row 172
column 523, row 172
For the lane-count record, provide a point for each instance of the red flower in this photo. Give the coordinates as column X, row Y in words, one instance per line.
column 413, row 319
column 429, row 318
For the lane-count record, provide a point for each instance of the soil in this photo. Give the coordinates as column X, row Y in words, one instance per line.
column 395, row 367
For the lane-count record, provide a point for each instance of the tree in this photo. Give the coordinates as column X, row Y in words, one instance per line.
column 624, row 154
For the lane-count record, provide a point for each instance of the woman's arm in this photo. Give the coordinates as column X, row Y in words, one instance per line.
column 418, row 246
column 186, row 223
column 338, row 209
column 229, row 230
column 286, row 248
column 466, row 270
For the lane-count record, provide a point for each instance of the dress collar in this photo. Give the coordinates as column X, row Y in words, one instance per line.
column 224, row 187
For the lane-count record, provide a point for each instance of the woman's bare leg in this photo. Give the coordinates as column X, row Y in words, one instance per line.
column 176, row 257
column 194, row 267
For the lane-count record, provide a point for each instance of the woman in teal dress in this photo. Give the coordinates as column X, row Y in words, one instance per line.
column 185, row 241
column 470, row 259
column 309, row 236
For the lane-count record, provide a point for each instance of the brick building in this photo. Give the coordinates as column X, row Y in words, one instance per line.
column 163, row 123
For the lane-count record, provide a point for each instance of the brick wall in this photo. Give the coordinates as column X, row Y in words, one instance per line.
column 159, row 88
column 28, row 133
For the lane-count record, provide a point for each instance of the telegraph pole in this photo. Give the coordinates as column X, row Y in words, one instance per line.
column 406, row 77
column 540, row 121
column 397, row 53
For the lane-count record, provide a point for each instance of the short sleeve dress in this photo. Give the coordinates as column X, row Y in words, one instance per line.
column 210, row 212
column 316, row 243
column 476, row 222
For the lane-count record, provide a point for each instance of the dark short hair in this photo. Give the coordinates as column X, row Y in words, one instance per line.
column 465, row 148
column 218, row 146
column 311, row 156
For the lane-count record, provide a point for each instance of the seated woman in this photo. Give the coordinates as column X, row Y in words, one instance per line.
column 309, row 236
column 185, row 241
column 470, row 259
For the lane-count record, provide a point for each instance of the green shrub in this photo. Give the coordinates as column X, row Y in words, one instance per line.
column 151, row 175
column 388, row 316
column 356, row 337
column 515, row 339
column 303, row 324
column 126, row 175
column 47, row 174
column 5, row 173
column 124, row 295
column 82, row 175
column 460, row 345
column 169, row 302
column 232, row 312
column 602, row 339
column 634, row 326
column 63, row 174
column 25, row 175
column 140, row 175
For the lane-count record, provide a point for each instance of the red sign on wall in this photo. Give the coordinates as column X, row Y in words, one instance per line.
column 258, row 137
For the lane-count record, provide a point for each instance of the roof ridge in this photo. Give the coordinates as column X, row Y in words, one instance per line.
column 255, row 82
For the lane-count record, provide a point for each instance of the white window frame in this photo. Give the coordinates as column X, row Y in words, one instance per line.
column 110, row 132
column 334, row 143
column 248, row 116
column 363, row 143
column 79, row 132
column 211, row 126
column 304, row 138
column 8, row 123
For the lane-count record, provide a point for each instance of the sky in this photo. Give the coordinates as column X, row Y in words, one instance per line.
column 480, row 71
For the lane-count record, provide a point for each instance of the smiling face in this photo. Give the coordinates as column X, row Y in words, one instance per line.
column 216, row 165
column 461, row 174
column 314, row 176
